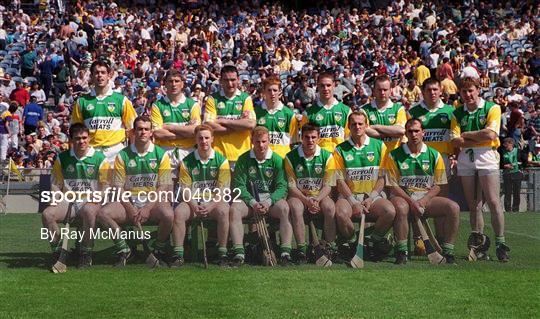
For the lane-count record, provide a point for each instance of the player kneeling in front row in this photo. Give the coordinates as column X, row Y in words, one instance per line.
column 80, row 169
column 201, row 171
column 310, row 183
column 140, row 168
column 360, row 182
column 415, row 173
column 264, row 169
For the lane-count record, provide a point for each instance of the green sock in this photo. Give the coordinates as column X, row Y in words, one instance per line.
column 332, row 245
column 401, row 245
column 55, row 246
column 160, row 245
column 302, row 247
column 121, row 246
column 239, row 250
column 352, row 240
column 222, row 251
column 499, row 240
column 378, row 235
column 179, row 251
column 448, row 249
column 285, row 249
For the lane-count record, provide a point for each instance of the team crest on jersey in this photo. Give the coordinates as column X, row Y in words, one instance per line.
column 153, row 163
column 392, row 118
column 463, row 121
column 213, row 171
column 70, row 169
column 166, row 113
column 372, row 117
column 262, row 121
column 338, row 116
column 349, row 157
column 444, row 118
column 269, row 171
column 132, row 163
column 281, row 122
column 252, row 170
column 482, row 119
column 90, row 107
column 90, row 169
column 425, row 165
column 299, row 168
column 319, row 117
column 110, row 106
column 238, row 105
column 195, row 171
column 404, row 165
column 371, row 156
column 221, row 105
column 422, row 118
column 318, row 168
column 185, row 113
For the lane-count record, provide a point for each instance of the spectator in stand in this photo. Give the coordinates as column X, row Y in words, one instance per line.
column 512, row 176
column 32, row 114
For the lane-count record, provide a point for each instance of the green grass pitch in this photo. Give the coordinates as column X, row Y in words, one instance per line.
column 486, row 289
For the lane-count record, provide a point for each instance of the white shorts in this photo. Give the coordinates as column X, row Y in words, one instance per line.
column 110, row 151
column 485, row 160
column 76, row 207
column 361, row 196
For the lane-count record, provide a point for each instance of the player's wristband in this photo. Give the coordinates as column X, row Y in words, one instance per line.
column 252, row 202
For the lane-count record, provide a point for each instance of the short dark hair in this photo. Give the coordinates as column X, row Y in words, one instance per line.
column 228, row 69
column 97, row 63
column 310, row 127
column 141, row 118
column 430, row 81
column 381, row 78
column 77, row 128
column 326, row 74
column 412, row 121
column 172, row 73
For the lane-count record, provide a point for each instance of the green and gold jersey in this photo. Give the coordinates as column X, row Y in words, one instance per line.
column 359, row 166
column 212, row 174
column 282, row 125
column 186, row 112
column 142, row 172
column 390, row 114
column 331, row 119
column 510, row 157
column 108, row 118
column 414, row 173
column 309, row 175
column 70, row 173
column 240, row 106
column 437, row 125
column 487, row 115
column 267, row 175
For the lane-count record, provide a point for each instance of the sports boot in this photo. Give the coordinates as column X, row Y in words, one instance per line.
column 502, row 252
column 401, row 258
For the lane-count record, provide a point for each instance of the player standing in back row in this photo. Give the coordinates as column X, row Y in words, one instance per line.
column 476, row 132
column 230, row 114
column 108, row 114
column 328, row 113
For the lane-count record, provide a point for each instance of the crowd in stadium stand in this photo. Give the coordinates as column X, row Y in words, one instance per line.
column 45, row 57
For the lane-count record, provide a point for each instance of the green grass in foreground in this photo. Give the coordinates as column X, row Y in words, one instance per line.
column 469, row 290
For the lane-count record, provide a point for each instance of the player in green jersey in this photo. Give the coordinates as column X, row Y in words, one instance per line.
column 206, row 173
column 386, row 118
column 310, row 183
column 280, row 120
column 175, row 117
column 415, row 172
column 360, row 183
column 78, row 170
column 141, row 168
column 328, row 113
column 108, row 114
column 265, row 169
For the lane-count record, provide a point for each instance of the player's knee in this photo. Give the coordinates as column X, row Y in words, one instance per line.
column 453, row 209
column 222, row 212
column 235, row 214
column 48, row 215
